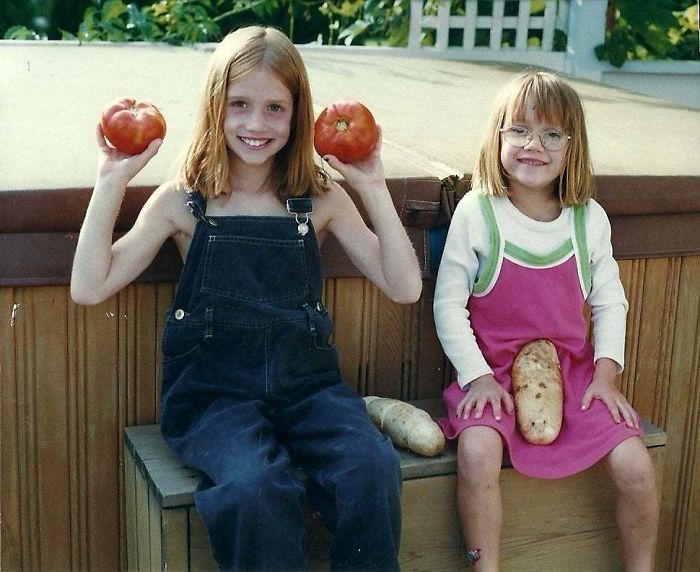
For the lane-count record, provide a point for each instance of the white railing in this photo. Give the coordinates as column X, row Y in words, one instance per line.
column 521, row 38
column 555, row 16
column 538, row 41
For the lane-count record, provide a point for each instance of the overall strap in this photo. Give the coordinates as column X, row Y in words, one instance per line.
column 198, row 205
column 301, row 208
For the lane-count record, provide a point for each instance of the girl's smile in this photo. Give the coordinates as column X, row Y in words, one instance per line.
column 532, row 162
column 254, row 142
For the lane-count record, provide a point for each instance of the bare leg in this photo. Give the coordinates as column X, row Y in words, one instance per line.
column 636, row 510
column 480, row 453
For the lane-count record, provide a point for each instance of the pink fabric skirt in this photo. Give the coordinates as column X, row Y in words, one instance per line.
column 585, row 437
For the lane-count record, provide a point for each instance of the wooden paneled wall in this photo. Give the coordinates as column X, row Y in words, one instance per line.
column 74, row 377
column 662, row 380
column 71, row 380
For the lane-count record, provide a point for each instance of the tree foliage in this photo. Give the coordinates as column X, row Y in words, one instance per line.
column 377, row 22
column 652, row 29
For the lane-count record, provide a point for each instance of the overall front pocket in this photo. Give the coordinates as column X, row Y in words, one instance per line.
column 257, row 270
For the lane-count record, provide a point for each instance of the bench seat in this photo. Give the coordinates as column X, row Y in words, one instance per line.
column 564, row 524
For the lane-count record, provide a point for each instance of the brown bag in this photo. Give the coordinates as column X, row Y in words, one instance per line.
column 452, row 189
column 429, row 213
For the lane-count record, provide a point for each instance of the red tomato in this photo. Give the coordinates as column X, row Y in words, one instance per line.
column 345, row 129
column 131, row 125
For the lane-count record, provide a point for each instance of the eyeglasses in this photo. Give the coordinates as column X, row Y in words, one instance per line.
column 551, row 139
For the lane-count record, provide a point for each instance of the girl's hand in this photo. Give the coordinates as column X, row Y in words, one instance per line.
column 483, row 390
column 364, row 175
column 603, row 387
column 114, row 163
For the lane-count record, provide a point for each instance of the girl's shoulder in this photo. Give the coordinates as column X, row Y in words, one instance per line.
column 168, row 198
column 169, row 194
column 473, row 221
column 594, row 208
column 596, row 222
column 594, row 214
column 168, row 202
column 330, row 203
column 475, row 205
column 331, row 193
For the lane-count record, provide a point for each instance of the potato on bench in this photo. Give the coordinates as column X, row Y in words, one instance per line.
column 406, row 425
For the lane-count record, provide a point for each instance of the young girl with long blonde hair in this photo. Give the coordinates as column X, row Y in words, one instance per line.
column 251, row 388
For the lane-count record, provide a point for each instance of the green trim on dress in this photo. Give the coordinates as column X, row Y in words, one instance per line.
column 487, row 271
column 530, row 259
column 583, row 259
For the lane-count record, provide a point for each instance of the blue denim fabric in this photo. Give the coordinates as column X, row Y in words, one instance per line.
column 252, row 392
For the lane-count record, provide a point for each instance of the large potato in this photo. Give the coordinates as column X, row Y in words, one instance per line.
column 538, row 392
column 406, row 425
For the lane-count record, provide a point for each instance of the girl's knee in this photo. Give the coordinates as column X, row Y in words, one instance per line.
column 480, row 454
column 632, row 469
column 248, row 489
column 381, row 460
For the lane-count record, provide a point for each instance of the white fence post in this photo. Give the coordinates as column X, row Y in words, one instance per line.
column 415, row 30
column 442, row 31
column 585, row 31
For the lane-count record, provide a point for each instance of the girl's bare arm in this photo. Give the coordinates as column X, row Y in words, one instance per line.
column 100, row 268
column 385, row 254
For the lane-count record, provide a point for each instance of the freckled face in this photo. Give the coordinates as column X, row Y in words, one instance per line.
column 259, row 111
column 532, row 167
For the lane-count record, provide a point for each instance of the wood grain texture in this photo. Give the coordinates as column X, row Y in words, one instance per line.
column 73, row 377
column 176, row 550
column 547, row 525
column 200, row 556
column 683, row 418
column 661, row 381
column 131, row 508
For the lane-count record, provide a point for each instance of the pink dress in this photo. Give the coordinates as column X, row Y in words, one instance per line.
column 525, row 302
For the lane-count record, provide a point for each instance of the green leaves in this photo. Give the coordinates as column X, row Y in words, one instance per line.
column 650, row 30
column 21, row 33
column 171, row 21
column 374, row 22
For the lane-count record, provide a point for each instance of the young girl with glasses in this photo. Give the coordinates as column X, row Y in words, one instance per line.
column 251, row 388
column 527, row 248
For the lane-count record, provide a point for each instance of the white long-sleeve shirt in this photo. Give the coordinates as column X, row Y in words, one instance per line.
column 467, row 249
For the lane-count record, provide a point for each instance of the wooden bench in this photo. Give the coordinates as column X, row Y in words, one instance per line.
column 563, row 525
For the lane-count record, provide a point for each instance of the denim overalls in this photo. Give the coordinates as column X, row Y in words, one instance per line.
column 252, row 391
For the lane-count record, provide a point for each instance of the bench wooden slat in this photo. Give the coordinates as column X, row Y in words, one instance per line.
column 174, row 484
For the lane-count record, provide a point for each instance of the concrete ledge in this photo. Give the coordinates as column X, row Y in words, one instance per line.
column 432, row 111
